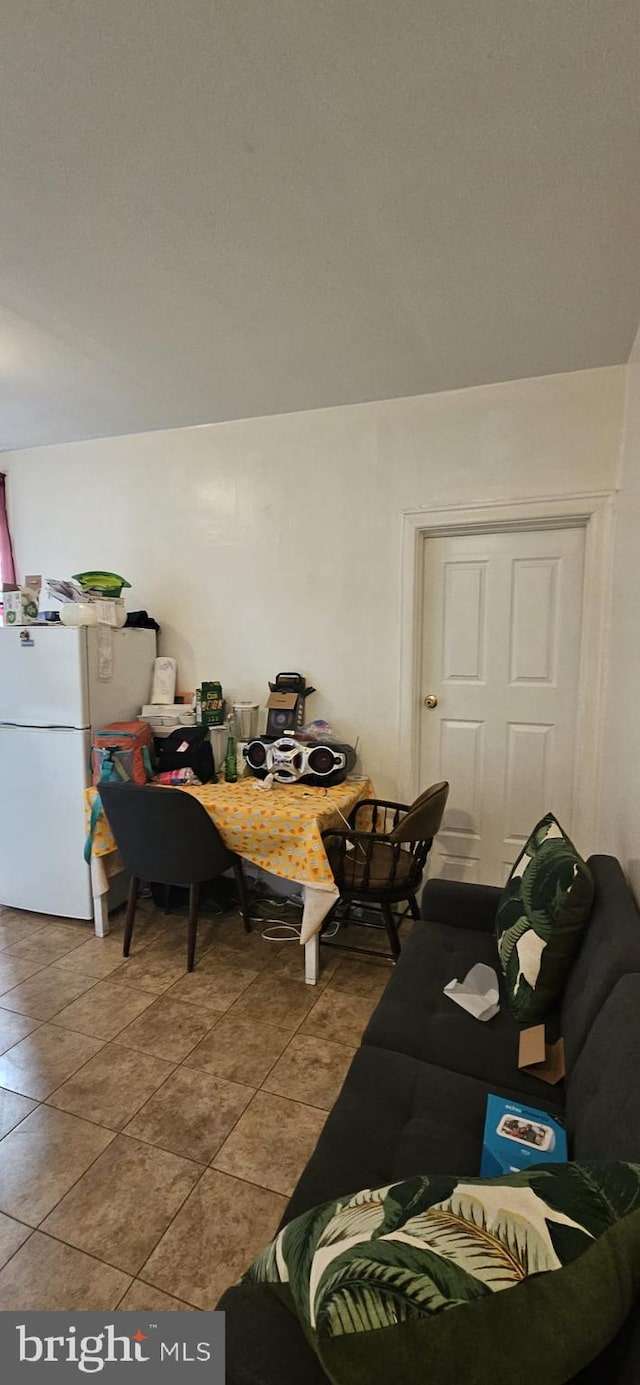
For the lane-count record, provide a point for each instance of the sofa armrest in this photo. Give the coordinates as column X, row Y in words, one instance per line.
column 460, row 904
column 265, row 1344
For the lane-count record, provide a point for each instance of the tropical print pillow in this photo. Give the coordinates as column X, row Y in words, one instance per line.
column 408, row 1282
column 543, row 910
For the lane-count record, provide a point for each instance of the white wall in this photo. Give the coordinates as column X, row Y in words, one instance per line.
column 274, row 543
column 620, row 804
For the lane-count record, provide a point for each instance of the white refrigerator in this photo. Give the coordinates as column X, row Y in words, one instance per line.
column 57, row 685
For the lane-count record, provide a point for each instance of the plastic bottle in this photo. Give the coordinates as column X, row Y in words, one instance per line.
column 230, row 768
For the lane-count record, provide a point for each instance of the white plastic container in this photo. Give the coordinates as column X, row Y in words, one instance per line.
column 78, row 613
column 163, row 688
column 164, row 718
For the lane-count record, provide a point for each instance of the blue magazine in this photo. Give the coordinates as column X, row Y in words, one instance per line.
column 516, row 1137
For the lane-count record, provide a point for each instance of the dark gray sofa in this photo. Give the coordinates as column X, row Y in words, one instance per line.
column 414, row 1098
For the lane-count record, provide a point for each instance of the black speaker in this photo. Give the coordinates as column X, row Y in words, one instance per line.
column 317, row 762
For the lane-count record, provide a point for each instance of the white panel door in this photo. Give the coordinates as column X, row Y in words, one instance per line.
column 42, row 829
column 501, row 638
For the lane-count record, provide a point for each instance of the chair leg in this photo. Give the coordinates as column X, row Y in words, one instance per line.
column 392, row 931
column 414, row 907
column 194, row 900
column 134, row 886
column 242, row 893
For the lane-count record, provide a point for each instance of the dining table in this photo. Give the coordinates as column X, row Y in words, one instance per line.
column 277, row 828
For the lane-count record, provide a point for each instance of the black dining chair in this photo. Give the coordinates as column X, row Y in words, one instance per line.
column 167, row 836
column 379, row 859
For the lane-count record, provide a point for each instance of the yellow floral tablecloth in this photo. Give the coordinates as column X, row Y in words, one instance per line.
column 278, row 829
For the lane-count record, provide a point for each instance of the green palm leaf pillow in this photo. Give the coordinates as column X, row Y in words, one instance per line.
column 544, row 907
column 409, row 1282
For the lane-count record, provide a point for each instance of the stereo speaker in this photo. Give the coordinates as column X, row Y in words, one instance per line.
column 288, row 760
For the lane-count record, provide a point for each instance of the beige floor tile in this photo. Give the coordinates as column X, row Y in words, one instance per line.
column 222, row 1226
column 112, row 1086
column 272, row 1142
column 174, row 935
column 44, row 995
column 213, row 988
column 220, row 957
column 310, row 1070
column 143, row 1298
column 239, row 1050
column 21, row 918
column 12, row 1235
column 13, row 970
column 355, row 935
column 120, row 1208
column 13, row 1109
column 42, row 947
column 104, row 1010
column 289, row 962
column 191, row 1114
column 41, row 1061
column 339, row 1016
column 46, row 1274
column 42, row 1158
column 14, row 1027
column 276, row 1000
column 16, row 927
column 72, row 932
column 153, row 927
column 98, row 957
column 170, row 943
column 253, row 950
column 168, row 1029
column 367, row 979
column 151, row 970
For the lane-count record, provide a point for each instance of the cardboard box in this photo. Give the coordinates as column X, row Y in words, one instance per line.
column 284, row 714
column 211, row 704
column 283, row 701
column 541, row 1059
column 518, row 1137
column 20, row 604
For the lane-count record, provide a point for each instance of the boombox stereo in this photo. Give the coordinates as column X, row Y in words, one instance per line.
column 289, row 760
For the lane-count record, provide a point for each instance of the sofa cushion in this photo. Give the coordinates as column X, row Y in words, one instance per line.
column 603, row 1093
column 544, row 907
column 411, row 1280
column 610, row 949
column 414, row 1017
column 460, row 903
column 395, row 1117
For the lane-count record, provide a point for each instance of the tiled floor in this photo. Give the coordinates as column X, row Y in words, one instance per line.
column 152, row 1123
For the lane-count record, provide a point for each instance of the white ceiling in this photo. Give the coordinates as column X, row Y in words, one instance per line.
column 213, row 209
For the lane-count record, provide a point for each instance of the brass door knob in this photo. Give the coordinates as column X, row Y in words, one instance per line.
column 431, row 701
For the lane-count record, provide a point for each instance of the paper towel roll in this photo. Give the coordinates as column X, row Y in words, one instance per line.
column 163, row 687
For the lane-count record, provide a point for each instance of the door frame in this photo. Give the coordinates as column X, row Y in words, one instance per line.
column 593, row 513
